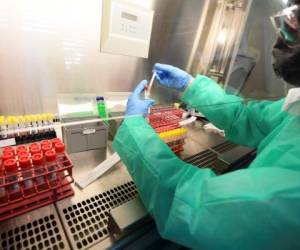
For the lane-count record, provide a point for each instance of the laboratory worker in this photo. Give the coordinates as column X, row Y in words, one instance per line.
column 254, row 208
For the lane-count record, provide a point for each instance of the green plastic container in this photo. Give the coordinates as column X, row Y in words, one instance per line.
column 102, row 111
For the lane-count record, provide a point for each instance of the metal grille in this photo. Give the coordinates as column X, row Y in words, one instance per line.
column 87, row 220
column 209, row 159
column 43, row 233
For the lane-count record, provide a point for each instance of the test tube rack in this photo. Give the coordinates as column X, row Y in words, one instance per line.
column 15, row 201
column 27, row 128
column 165, row 120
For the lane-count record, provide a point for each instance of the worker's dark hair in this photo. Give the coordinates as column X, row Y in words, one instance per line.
column 291, row 2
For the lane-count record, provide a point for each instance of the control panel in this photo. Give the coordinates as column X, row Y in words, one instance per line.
column 126, row 28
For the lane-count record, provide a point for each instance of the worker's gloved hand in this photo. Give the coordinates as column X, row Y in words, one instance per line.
column 172, row 77
column 136, row 105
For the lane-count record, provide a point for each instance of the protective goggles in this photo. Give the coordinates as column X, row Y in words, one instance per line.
column 287, row 25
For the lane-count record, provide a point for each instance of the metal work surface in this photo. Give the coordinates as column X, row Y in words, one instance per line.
column 84, row 215
column 87, row 220
column 39, row 229
column 129, row 215
column 199, row 140
column 212, row 160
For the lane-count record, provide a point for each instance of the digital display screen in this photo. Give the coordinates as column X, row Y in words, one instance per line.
column 130, row 17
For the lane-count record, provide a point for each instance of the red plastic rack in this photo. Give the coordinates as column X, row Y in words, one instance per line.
column 38, row 185
column 163, row 121
column 163, row 118
column 162, row 108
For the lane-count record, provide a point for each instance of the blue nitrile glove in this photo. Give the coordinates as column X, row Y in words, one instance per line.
column 136, row 105
column 171, row 76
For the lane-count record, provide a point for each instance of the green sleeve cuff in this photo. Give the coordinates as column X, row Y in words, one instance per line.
column 198, row 86
column 208, row 97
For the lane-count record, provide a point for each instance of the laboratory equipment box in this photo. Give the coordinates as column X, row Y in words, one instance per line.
column 84, row 135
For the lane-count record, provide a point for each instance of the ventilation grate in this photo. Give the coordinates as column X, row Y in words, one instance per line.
column 210, row 159
column 43, row 233
column 87, row 220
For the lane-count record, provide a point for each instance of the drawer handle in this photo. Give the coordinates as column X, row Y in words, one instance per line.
column 89, row 131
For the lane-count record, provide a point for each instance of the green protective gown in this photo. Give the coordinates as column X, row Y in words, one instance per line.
column 253, row 208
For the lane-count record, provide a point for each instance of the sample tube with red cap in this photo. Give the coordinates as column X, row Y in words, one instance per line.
column 60, row 151
column 45, row 142
column 55, row 140
column 38, row 164
column 21, row 148
column 23, row 154
column 7, row 156
column 10, row 166
column 51, row 164
column 46, row 147
column 2, row 181
column 26, row 169
column 8, row 149
column 35, row 150
column 60, row 156
column 35, row 144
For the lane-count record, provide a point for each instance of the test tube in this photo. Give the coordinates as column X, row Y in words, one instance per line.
column 33, row 120
column 2, row 181
column 17, row 126
column 25, row 166
column 3, row 127
column 61, row 159
column 22, row 154
column 46, row 142
column 7, row 156
column 21, row 148
column 35, row 144
column 10, row 166
column 45, row 122
column 21, row 122
column 60, row 152
column 46, row 147
column 55, row 140
column 35, row 150
column 29, row 126
column 149, row 87
column 40, row 124
column 51, row 164
column 38, row 164
column 50, row 119
column 60, row 149
column 8, row 149
column 10, row 127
